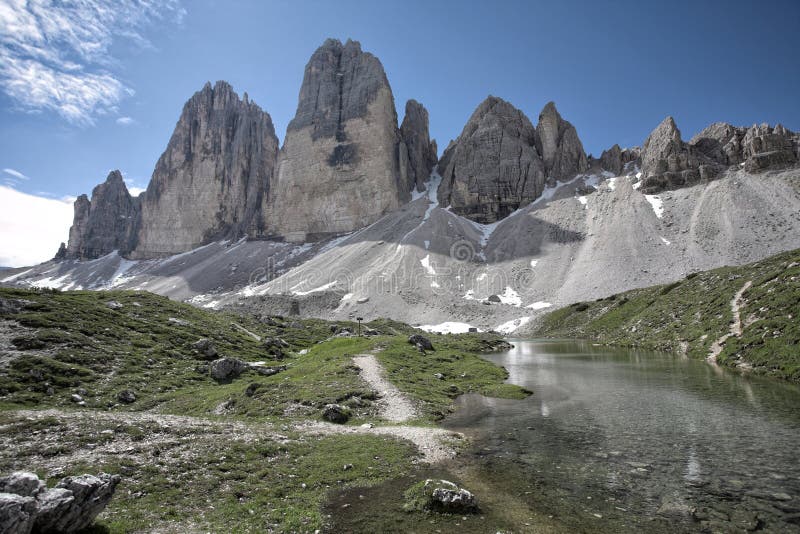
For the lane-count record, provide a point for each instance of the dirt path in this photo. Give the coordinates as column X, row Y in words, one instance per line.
column 736, row 326
column 394, row 405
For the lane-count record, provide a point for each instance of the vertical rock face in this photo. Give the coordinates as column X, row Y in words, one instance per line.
column 421, row 150
column 494, row 166
column 342, row 165
column 758, row 147
column 106, row 223
column 213, row 180
column 668, row 162
column 558, row 143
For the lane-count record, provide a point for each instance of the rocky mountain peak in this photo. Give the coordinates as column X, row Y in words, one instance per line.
column 494, row 166
column 106, row 223
column 420, row 148
column 342, row 165
column 213, row 179
column 558, row 143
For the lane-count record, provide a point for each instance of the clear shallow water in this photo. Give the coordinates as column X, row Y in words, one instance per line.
column 626, row 440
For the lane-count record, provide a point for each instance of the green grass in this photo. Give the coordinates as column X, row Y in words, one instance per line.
column 689, row 315
column 72, row 342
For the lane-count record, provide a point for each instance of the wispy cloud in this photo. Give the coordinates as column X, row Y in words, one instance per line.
column 55, row 55
column 15, row 173
column 125, row 121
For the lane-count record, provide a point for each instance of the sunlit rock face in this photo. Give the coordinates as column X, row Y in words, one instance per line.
column 343, row 164
column 213, row 180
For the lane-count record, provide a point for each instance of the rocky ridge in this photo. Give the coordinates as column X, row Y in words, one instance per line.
column 213, row 180
column 107, row 222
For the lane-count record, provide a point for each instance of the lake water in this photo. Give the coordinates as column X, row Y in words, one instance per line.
column 627, row 440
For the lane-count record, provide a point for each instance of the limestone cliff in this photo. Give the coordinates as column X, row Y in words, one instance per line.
column 342, row 165
column 213, row 179
column 104, row 224
column 421, row 150
column 558, row 143
column 494, row 166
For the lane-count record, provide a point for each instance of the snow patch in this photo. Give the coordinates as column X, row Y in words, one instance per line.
column 469, row 295
column 665, row 241
column 427, row 244
column 612, row 183
column 540, row 305
column 657, row 204
column 584, row 201
column 513, row 325
column 449, row 327
column 426, row 263
column 14, row 277
column 534, row 263
column 481, row 276
column 510, row 297
column 316, row 289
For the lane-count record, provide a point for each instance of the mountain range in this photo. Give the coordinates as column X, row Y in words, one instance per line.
column 357, row 215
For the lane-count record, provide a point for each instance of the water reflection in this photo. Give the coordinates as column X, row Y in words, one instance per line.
column 645, row 433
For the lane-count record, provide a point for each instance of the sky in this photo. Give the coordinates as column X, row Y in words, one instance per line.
column 91, row 86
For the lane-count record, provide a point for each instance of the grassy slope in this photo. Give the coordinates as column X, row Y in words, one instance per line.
column 70, row 342
column 689, row 315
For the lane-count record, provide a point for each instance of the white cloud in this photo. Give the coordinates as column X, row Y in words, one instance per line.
column 31, row 227
column 55, row 56
column 125, row 121
column 16, row 174
column 135, row 191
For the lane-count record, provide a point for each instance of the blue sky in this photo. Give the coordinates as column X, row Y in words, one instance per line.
column 90, row 89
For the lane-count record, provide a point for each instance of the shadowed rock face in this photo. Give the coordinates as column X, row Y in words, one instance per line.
column 106, row 223
column 342, row 165
column 615, row 158
column 559, row 145
column 668, row 162
column 421, row 150
column 494, row 167
column 213, row 179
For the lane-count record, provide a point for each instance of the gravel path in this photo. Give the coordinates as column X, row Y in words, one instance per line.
column 736, row 326
column 394, row 405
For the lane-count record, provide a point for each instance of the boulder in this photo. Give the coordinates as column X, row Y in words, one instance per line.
column 17, row 513
column 205, row 349
column 420, row 341
column 336, row 413
column 440, row 496
column 275, row 346
column 75, row 502
column 26, row 505
column 126, row 396
column 22, row 483
column 226, row 369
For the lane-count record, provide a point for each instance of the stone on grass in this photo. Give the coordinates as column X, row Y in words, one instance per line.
column 421, row 342
column 336, row 413
column 126, row 396
column 226, row 369
column 440, row 496
column 205, row 348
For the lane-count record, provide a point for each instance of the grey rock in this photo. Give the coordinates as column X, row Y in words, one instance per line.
column 421, row 150
column 336, row 413
column 275, row 346
column 669, row 163
column 494, row 167
column 17, row 513
column 226, row 369
column 113, row 304
column 213, row 180
column 22, row 483
column 759, row 147
column 126, row 396
column 106, row 223
column 76, row 398
column 615, row 159
column 340, row 166
column 205, row 348
column 420, row 341
column 558, row 144
column 268, row 371
column 75, row 502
